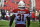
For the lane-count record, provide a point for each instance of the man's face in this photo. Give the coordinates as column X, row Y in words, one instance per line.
column 21, row 7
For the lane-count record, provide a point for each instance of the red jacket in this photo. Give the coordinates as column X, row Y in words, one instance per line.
column 33, row 15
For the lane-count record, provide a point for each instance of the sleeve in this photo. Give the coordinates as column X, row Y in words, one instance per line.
column 13, row 11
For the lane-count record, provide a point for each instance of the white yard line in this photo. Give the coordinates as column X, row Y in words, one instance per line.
column 6, row 20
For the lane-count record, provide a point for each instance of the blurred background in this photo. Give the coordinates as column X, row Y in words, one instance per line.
column 7, row 7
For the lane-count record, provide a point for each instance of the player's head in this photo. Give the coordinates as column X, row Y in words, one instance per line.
column 21, row 5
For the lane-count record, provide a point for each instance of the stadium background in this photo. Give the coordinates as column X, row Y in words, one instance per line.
column 7, row 4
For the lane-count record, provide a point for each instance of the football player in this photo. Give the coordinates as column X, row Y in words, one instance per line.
column 20, row 15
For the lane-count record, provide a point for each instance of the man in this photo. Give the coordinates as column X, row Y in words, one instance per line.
column 0, row 14
column 21, row 15
column 33, row 16
column 39, row 18
column 36, row 15
column 7, row 15
column 3, row 13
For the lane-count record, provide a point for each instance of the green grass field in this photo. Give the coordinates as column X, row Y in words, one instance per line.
column 6, row 24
